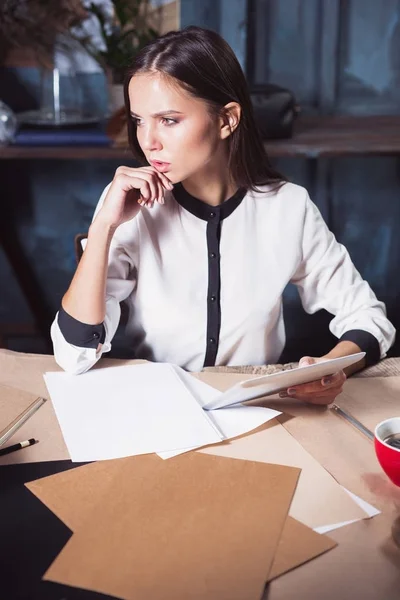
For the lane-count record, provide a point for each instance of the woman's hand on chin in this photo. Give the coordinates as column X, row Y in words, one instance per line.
column 130, row 190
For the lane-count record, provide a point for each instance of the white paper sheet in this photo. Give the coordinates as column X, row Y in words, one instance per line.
column 122, row 411
column 231, row 422
column 370, row 511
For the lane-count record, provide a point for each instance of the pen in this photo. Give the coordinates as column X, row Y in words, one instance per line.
column 15, row 447
column 353, row 421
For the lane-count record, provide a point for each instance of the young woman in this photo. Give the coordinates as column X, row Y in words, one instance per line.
column 202, row 241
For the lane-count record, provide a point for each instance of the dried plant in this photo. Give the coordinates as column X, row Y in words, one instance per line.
column 34, row 24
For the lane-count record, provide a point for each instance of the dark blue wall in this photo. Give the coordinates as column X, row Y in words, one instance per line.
column 337, row 57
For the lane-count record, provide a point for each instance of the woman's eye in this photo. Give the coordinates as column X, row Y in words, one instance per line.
column 166, row 121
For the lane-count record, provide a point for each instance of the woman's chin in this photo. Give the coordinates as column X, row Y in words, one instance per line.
column 173, row 179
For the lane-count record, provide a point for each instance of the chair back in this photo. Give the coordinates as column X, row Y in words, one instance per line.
column 79, row 245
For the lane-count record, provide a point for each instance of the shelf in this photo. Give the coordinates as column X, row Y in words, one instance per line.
column 313, row 137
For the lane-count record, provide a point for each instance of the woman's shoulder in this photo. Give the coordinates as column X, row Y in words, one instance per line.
column 284, row 194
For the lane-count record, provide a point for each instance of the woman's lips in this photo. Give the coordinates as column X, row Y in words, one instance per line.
column 163, row 167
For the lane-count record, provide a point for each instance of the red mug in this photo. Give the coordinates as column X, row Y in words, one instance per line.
column 388, row 456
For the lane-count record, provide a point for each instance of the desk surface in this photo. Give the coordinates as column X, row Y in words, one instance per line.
column 314, row 136
column 365, row 564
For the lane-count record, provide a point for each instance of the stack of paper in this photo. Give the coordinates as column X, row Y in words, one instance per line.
column 197, row 526
column 112, row 412
column 130, row 410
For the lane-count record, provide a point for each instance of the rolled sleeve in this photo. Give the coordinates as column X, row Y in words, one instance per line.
column 80, row 334
column 73, row 359
column 366, row 342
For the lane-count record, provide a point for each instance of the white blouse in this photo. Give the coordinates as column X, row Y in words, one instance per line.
column 204, row 284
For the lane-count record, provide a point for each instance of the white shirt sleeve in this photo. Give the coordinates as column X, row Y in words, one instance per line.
column 120, row 283
column 326, row 278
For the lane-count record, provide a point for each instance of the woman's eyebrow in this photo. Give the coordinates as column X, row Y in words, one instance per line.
column 160, row 114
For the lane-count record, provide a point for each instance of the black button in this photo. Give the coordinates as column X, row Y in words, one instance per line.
column 212, row 341
column 212, row 215
column 213, row 298
column 96, row 335
column 212, row 255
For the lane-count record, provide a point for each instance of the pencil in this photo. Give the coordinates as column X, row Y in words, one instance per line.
column 9, row 431
column 353, row 421
column 15, row 447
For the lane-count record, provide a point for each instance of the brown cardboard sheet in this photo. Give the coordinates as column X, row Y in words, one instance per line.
column 319, row 499
column 70, row 496
column 298, row 545
column 195, row 526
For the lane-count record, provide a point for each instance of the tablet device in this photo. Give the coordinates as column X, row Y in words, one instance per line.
column 264, row 385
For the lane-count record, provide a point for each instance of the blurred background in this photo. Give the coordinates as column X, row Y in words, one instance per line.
column 325, row 82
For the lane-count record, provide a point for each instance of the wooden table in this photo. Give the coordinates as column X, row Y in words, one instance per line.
column 314, row 137
column 365, row 564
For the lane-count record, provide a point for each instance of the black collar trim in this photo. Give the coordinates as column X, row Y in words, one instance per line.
column 204, row 211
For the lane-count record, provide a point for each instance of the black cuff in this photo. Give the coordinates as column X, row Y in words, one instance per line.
column 80, row 334
column 367, row 343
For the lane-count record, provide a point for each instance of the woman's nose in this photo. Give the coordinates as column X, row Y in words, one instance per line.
column 150, row 140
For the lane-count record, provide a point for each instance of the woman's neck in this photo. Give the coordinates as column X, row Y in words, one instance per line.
column 214, row 183
column 210, row 192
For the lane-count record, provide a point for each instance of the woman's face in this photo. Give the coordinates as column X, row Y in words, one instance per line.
column 173, row 127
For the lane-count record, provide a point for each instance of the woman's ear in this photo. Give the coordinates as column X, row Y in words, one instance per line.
column 230, row 118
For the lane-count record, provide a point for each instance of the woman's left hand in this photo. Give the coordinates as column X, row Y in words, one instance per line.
column 323, row 391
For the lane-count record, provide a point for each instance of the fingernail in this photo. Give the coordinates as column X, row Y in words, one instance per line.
column 291, row 391
column 326, row 381
column 283, row 395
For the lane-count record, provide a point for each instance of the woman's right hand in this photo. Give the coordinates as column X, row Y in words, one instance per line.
column 129, row 191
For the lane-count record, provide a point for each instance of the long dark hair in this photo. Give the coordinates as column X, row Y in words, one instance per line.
column 206, row 66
